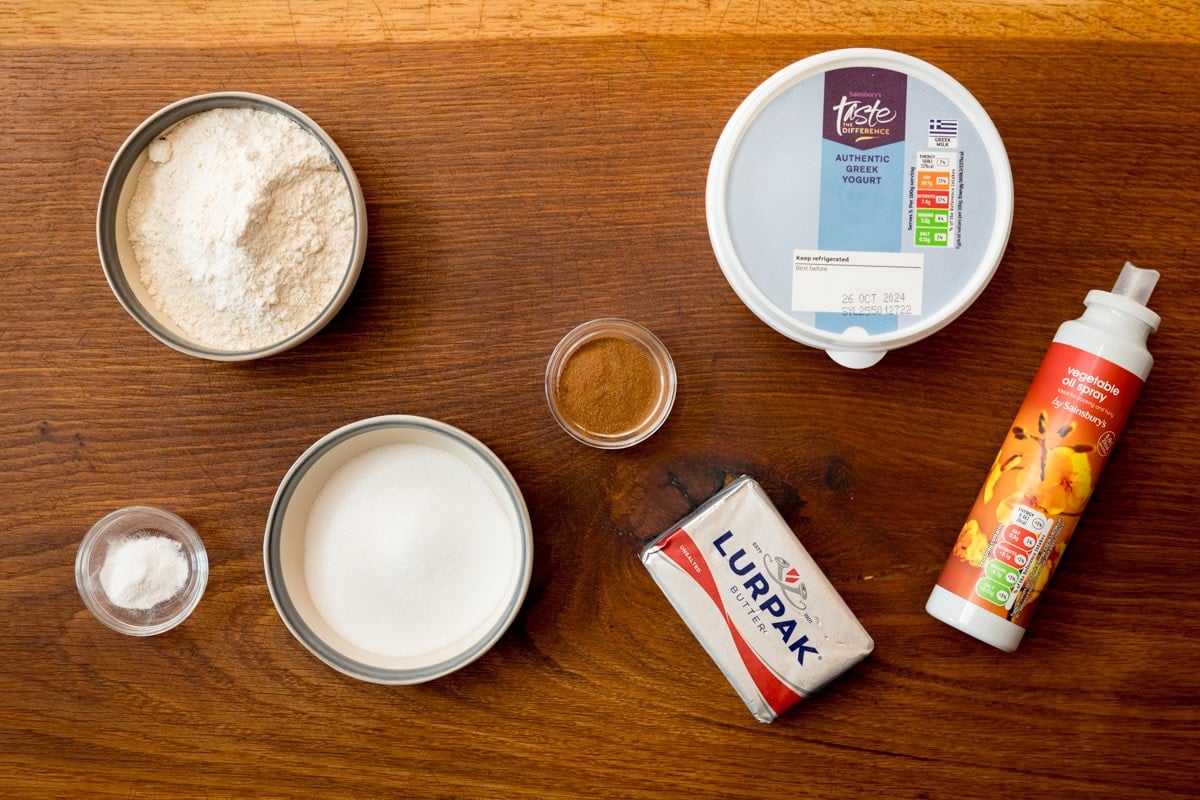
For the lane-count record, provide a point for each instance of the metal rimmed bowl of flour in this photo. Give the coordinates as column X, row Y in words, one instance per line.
column 398, row 549
column 231, row 226
column 141, row 570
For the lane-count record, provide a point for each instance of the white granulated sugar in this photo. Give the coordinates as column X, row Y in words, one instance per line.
column 408, row 550
column 143, row 571
column 242, row 225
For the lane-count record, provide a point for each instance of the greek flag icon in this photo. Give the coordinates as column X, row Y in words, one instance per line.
column 943, row 127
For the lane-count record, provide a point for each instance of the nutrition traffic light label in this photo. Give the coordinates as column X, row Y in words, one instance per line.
column 934, row 196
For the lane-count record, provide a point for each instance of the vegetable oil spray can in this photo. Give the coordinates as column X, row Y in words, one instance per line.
column 1049, row 463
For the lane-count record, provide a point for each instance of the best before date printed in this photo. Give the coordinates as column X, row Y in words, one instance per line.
column 857, row 282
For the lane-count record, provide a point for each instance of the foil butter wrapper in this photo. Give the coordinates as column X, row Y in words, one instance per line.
column 755, row 599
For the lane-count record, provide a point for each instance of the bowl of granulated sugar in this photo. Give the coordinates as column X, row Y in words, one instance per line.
column 398, row 549
column 230, row 226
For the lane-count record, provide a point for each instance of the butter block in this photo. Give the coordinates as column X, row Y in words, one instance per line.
column 755, row 599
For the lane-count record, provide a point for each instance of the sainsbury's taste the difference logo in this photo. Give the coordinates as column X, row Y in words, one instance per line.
column 864, row 106
column 764, row 600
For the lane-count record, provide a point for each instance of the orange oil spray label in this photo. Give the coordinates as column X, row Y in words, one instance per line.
column 1040, row 482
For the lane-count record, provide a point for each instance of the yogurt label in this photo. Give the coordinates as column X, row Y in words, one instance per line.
column 871, row 181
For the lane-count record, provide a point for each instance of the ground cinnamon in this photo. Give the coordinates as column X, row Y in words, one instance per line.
column 608, row 386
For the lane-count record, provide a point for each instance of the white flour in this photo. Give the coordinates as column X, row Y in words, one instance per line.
column 243, row 227
column 408, row 550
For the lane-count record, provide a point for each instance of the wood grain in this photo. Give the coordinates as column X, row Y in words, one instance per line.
column 289, row 24
column 523, row 176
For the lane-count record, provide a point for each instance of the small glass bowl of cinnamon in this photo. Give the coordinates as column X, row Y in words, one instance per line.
column 610, row 383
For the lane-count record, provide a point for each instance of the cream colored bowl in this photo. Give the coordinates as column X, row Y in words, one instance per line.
column 284, row 548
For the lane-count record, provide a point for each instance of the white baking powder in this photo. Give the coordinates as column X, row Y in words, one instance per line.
column 408, row 550
column 242, row 225
column 143, row 571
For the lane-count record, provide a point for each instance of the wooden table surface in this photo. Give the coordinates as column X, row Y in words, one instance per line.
column 528, row 167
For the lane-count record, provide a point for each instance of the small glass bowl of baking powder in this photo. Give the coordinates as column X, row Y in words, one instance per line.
column 610, row 383
column 252, row 230
column 141, row 570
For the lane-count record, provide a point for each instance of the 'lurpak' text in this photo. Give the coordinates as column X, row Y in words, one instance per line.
column 760, row 589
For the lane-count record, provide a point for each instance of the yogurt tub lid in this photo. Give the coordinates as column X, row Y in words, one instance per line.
column 858, row 201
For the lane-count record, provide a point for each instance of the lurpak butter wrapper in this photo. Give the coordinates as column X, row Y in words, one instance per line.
column 756, row 600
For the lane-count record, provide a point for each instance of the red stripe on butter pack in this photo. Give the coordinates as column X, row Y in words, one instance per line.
column 774, row 691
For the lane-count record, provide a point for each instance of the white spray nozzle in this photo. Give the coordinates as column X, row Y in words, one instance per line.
column 1135, row 283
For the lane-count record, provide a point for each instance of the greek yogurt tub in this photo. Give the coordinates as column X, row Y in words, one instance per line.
column 859, row 201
